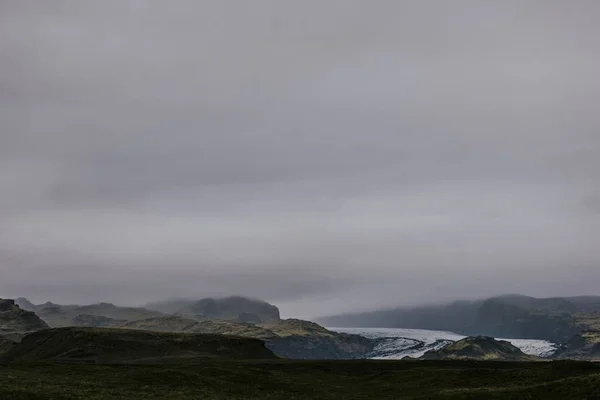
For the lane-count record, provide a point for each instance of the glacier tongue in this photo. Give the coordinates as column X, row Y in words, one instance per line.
column 392, row 343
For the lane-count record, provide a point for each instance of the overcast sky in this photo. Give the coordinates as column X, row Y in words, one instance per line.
column 324, row 155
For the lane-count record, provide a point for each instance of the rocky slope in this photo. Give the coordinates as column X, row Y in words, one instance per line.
column 307, row 340
column 479, row 348
column 105, row 346
column 583, row 346
column 14, row 320
column 287, row 338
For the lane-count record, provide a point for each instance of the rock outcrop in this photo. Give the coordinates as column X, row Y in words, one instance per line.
column 479, row 348
column 14, row 320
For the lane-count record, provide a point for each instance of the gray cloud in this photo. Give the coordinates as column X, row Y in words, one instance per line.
column 321, row 155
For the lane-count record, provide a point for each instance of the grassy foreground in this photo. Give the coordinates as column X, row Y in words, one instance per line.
column 281, row 379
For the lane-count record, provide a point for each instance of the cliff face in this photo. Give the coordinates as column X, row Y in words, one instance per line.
column 232, row 309
column 479, row 348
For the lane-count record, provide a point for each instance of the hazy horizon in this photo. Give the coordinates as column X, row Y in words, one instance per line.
column 325, row 156
column 285, row 311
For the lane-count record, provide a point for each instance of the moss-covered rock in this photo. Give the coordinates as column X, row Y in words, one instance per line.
column 479, row 348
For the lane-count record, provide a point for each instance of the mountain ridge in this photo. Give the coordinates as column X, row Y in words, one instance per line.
column 555, row 319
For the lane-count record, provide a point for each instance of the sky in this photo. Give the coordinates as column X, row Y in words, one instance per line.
column 324, row 155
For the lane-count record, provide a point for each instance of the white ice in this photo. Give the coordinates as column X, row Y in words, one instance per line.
column 396, row 343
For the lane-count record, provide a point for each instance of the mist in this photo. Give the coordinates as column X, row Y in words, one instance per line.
column 326, row 156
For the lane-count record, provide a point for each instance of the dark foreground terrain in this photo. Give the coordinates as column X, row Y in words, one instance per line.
column 283, row 379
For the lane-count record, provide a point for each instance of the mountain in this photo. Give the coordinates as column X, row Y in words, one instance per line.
column 101, row 314
column 233, row 316
column 479, row 348
column 170, row 306
column 96, row 321
column 106, row 346
column 14, row 320
column 511, row 316
column 232, row 309
column 287, row 338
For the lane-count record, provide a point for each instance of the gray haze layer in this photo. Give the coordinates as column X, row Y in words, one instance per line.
column 324, row 155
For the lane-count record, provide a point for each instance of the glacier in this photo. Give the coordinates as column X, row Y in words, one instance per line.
column 397, row 343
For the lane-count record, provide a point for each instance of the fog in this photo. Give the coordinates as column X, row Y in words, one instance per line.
column 326, row 156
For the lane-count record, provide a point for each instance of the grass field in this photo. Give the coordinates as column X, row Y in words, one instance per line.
column 280, row 379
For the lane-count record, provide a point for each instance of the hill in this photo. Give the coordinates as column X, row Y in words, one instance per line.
column 293, row 339
column 233, row 308
column 234, row 316
column 583, row 346
column 511, row 316
column 15, row 320
column 108, row 346
column 299, row 339
column 170, row 306
column 479, row 348
column 93, row 315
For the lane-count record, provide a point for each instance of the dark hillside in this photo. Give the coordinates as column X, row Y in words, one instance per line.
column 306, row 380
column 107, row 346
column 479, row 348
column 510, row 316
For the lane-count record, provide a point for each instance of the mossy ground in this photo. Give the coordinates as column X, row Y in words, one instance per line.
column 282, row 379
